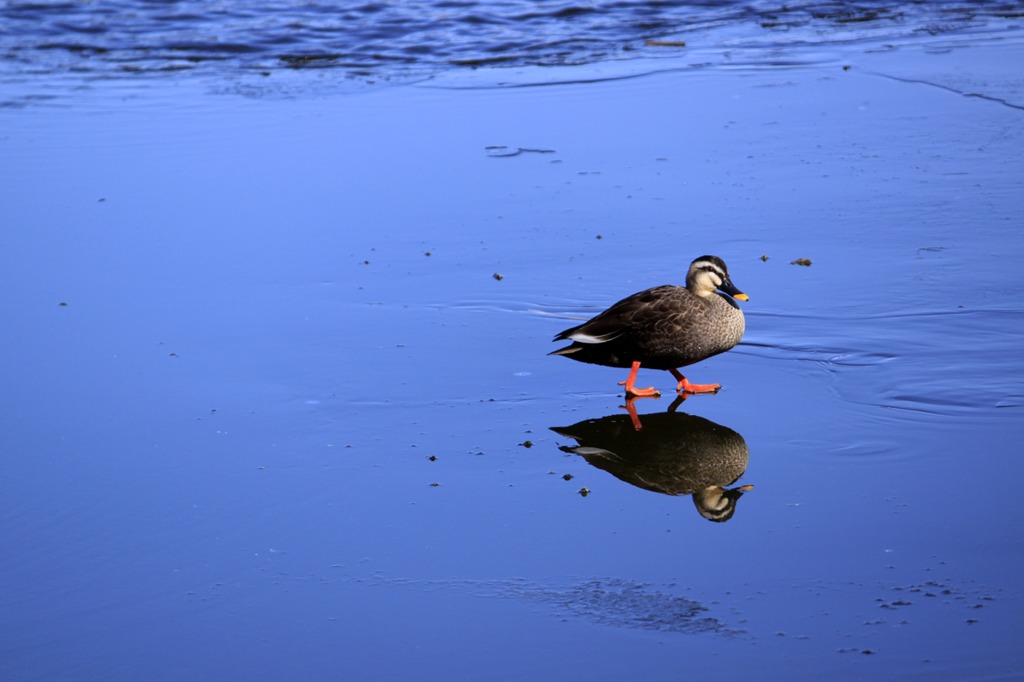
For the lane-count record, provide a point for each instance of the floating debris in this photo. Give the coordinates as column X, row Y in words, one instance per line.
column 624, row 604
column 806, row 262
column 527, row 443
column 584, row 492
column 63, row 304
column 764, row 259
column 499, row 151
column 665, row 43
column 432, row 458
column 566, row 477
column 498, row 276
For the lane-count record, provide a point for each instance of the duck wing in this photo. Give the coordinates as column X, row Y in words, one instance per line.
column 619, row 318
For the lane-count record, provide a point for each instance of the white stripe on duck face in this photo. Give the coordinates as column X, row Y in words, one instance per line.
column 705, row 276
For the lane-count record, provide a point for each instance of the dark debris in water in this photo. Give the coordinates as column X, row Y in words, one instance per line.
column 615, row 602
column 928, row 595
column 806, row 262
column 502, row 151
column 631, row 605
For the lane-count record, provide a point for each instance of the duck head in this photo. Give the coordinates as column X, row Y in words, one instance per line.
column 708, row 274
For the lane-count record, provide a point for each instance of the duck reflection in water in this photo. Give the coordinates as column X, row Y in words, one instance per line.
column 674, row 454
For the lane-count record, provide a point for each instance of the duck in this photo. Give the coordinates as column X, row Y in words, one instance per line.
column 665, row 327
column 676, row 454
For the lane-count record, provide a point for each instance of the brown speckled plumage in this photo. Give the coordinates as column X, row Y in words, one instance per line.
column 665, row 327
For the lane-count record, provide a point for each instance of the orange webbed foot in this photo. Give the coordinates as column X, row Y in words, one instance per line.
column 634, row 392
column 685, row 386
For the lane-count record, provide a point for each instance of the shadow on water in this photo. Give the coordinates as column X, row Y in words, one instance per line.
column 673, row 453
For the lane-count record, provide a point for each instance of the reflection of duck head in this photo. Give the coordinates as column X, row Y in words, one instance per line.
column 674, row 454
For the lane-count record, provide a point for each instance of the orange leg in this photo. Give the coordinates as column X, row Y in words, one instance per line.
column 686, row 387
column 649, row 392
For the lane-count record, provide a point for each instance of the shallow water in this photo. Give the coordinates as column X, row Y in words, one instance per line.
column 269, row 410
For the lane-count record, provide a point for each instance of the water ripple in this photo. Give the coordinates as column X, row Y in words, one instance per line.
column 389, row 40
column 891, row 360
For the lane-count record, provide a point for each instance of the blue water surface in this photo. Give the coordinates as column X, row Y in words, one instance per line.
column 277, row 402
